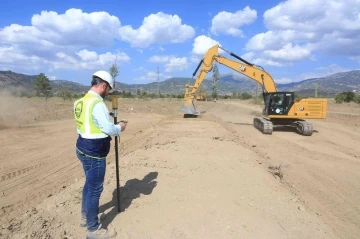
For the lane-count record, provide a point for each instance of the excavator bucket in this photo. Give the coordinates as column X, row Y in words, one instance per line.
column 189, row 108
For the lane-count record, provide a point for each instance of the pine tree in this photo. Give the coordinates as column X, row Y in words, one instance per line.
column 42, row 85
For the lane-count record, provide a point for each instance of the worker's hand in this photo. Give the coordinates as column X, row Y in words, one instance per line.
column 122, row 124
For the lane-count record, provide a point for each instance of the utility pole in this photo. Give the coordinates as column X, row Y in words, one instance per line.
column 317, row 89
column 158, row 80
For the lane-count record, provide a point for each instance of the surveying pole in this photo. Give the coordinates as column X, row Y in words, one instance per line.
column 114, row 102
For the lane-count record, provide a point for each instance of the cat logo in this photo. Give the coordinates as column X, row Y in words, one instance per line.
column 301, row 108
column 242, row 68
column 78, row 109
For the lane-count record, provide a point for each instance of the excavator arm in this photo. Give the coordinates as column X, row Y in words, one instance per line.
column 206, row 64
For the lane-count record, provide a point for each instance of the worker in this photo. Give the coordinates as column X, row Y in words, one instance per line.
column 94, row 130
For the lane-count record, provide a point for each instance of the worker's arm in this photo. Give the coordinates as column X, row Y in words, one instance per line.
column 102, row 119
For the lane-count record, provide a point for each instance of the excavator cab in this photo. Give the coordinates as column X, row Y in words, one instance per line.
column 278, row 103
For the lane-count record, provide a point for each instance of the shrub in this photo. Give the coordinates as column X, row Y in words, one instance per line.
column 344, row 97
column 357, row 99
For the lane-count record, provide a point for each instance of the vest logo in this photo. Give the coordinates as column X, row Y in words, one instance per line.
column 78, row 109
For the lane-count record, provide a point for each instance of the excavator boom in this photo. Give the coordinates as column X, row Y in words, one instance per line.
column 246, row 68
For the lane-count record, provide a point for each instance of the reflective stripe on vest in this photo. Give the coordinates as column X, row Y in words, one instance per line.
column 84, row 120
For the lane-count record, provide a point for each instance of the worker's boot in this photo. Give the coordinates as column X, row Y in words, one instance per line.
column 101, row 233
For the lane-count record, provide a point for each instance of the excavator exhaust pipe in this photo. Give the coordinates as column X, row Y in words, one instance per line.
column 189, row 109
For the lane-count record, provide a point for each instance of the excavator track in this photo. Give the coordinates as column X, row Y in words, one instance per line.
column 304, row 128
column 263, row 125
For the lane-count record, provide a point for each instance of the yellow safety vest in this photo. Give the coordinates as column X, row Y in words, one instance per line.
column 84, row 120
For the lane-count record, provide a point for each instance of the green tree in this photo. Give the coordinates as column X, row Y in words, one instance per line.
column 245, row 96
column 349, row 96
column 344, row 97
column 42, row 86
column 114, row 71
column 128, row 95
column 215, row 77
column 357, row 99
column 65, row 94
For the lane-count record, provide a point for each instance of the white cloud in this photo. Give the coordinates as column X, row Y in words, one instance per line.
column 248, row 56
column 59, row 41
column 230, row 23
column 52, row 77
column 85, row 59
column 288, row 53
column 159, row 59
column 195, row 59
column 202, row 44
column 86, row 55
column 283, row 80
column 11, row 58
column 157, row 28
column 141, row 68
column 355, row 58
column 260, row 61
column 266, row 62
column 269, row 40
column 329, row 26
column 73, row 28
column 172, row 63
column 151, row 76
column 176, row 64
column 82, row 60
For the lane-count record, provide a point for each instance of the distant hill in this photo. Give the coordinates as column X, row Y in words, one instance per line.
column 332, row 84
column 9, row 78
column 227, row 84
column 12, row 80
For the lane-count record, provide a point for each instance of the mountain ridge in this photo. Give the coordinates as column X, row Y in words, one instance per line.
column 228, row 83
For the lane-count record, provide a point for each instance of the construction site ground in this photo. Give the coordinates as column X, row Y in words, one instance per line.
column 210, row 177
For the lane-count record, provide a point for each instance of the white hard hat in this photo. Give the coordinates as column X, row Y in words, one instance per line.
column 105, row 76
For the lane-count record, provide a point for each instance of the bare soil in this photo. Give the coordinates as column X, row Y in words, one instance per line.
column 215, row 176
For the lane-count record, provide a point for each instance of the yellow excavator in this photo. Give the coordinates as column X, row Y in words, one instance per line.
column 280, row 108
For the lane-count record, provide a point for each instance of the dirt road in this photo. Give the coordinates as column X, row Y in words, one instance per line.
column 185, row 178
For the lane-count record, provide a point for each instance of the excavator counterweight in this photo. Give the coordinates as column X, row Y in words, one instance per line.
column 280, row 108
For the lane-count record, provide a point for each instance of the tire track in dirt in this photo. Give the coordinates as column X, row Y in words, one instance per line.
column 208, row 186
column 47, row 150
column 19, row 172
column 321, row 170
column 209, row 175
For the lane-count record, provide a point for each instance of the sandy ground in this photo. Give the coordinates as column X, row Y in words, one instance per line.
column 209, row 177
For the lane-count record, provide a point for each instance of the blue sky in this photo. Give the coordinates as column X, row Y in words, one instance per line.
column 293, row 40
